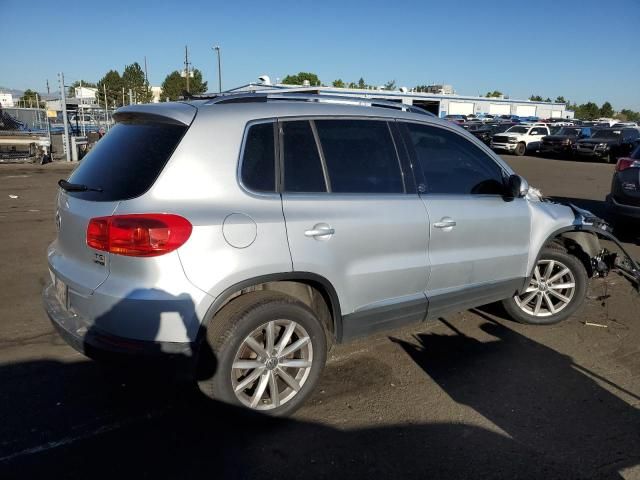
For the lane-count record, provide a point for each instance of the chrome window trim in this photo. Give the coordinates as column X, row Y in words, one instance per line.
column 240, row 162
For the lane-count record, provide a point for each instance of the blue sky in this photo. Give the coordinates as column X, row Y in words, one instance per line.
column 581, row 49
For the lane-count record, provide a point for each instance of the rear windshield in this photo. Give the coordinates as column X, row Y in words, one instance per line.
column 127, row 160
column 606, row 134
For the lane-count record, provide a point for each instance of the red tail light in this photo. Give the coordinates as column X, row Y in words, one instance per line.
column 625, row 163
column 138, row 235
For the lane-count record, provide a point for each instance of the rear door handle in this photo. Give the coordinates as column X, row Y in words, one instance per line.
column 321, row 230
column 445, row 223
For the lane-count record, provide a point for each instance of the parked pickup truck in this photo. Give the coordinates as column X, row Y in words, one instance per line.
column 562, row 141
column 520, row 138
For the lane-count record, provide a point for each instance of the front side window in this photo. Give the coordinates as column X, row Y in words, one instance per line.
column 258, row 162
column 452, row 164
column 360, row 156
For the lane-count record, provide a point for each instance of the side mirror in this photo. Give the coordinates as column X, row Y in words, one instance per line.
column 518, row 187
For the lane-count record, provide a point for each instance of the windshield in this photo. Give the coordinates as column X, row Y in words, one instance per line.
column 518, row 130
column 573, row 132
column 607, row 134
column 636, row 153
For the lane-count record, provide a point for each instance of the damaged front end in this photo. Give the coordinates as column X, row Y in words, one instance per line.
column 587, row 232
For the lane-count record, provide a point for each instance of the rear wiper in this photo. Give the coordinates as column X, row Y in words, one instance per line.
column 77, row 187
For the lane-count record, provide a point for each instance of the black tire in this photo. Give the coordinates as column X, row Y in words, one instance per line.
column 521, row 149
column 230, row 327
column 558, row 255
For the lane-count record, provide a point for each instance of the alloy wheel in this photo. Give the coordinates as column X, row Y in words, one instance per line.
column 550, row 291
column 272, row 364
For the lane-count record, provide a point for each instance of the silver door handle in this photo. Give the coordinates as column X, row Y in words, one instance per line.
column 319, row 232
column 445, row 224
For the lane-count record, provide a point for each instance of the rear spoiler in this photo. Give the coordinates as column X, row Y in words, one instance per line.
column 177, row 113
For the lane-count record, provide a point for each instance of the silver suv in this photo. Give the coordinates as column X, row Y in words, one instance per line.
column 250, row 232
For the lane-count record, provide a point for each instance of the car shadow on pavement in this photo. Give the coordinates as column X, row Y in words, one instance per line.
column 90, row 419
column 540, row 398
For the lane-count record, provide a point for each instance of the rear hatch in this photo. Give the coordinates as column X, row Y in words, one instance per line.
column 121, row 166
column 626, row 185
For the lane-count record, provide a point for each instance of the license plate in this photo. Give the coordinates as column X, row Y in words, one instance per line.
column 62, row 292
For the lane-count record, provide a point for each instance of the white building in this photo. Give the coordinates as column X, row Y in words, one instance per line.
column 87, row 95
column 440, row 104
column 6, row 100
column 156, row 93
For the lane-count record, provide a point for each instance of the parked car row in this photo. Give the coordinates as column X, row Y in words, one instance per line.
column 604, row 144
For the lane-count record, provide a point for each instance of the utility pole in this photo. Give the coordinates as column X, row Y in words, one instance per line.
column 123, row 97
column 146, row 77
column 106, row 106
column 82, row 110
column 63, row 99
column 186, row 65
column 217, row 49
column 48, row 92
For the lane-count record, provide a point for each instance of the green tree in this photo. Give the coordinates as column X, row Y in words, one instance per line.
column 30, row 99
column 175, row 85
column 587, row 111
column 112, row 83
column 548, row 100
column 494, row 94
column 390, row 85
column 133, row 79
column 300, row 77
column 76, row 84
column 361, row 83
column 536, row 98
column 353, row 85
column 560, row 99
column 627, row 115
column 338, row 83
column 606, row 110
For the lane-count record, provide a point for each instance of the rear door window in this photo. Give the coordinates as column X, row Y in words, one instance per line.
column 360, row 156
column 126, row 162
column 302, row 165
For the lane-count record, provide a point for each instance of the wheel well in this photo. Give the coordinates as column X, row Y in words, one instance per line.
column 582, row 245
column 313, row 294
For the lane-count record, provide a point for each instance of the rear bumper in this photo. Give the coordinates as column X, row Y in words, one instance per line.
column 621, row 209
column 94, row 343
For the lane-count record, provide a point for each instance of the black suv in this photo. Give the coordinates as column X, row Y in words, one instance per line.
column 624, row 199
column 479, row 130
column 563, row 140
column 609, row 143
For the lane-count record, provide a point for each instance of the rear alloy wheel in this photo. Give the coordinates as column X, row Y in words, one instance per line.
column 266, row 351
column 556, row 289
column 272, row 365
column 521, row 149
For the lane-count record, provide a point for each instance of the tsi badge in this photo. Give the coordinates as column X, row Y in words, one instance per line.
column 99, row 259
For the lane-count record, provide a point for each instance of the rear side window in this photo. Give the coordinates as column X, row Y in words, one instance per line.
column 360, row 156
column 258, row 161
column 302, row 166
column 452, row 164
column 126, row 162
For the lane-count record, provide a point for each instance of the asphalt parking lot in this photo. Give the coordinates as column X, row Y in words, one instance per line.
column 472, row 395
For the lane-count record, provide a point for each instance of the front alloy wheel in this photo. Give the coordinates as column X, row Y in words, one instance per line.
column 556, row 290
column 550, row 291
